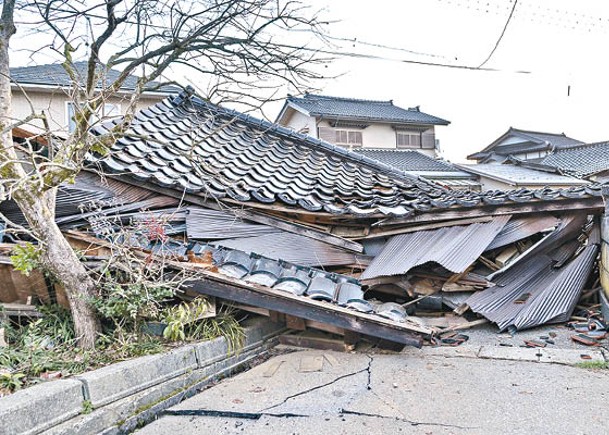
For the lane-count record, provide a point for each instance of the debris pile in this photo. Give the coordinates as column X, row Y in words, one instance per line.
column 305, row 232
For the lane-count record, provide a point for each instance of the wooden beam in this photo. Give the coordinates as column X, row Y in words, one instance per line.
column 295, row 323
column 291, row 227
column 311, row 310
column 593, row 204
column 431, row 226
column 311, row 342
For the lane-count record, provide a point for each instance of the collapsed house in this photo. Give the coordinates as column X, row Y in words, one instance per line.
column 325, row 238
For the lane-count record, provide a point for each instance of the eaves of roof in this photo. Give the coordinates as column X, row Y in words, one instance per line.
column 516, row 181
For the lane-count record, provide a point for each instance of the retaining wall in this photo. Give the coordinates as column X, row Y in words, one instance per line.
column 117, row 398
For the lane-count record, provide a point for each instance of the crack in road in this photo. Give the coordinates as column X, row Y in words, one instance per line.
column 405, row 420
column 228, row 414
column 369, row 369
column 341, row 412
column 309, row 390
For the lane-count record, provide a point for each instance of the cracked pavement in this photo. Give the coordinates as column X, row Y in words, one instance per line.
column 410, row 392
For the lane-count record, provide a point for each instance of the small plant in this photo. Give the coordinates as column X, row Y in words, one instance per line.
column 596, row 365
column 26, row 258
column 178, row 318
column 11, row 382
column 87, row 407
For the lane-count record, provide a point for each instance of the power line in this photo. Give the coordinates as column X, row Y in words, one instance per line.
column 500, row 36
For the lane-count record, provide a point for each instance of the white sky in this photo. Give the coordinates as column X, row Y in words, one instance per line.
column 559, row 42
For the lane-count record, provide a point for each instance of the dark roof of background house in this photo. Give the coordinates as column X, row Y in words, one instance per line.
column 408, row 160
column 557, row 140
column 55, row 75
column 543, row 140
column 580, row 161
column 364, row 110
column 187, row 144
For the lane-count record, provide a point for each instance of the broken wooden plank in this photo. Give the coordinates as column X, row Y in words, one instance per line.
column 368, row 324
column 592, row 204
column 295, row 323
column 310, row 364
column 273, row 366
column 312, row 342
column 467, row 325
column 423, row 227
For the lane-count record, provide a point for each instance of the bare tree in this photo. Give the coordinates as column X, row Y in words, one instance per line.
column 235, row 46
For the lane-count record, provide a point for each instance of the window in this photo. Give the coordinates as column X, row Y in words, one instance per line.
column 108, row 110
column 343, row 137
column 408, row 139
column 349, row 137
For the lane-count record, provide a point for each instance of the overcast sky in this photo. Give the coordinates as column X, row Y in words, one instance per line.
column 550, row 67
column 549, row 71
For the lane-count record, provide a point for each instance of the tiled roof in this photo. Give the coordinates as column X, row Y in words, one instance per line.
column 188, row 144
column 557, row 140
column 55, row 75
column 519, row 175
column 580, row 161
column 409, row 160
column 533, row 141
column 363, row 110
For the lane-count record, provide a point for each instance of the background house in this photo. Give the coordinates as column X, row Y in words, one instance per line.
column 524, row 145
column 587, row 161
column 418, row 164
column 48, row 88
column 354, row 123
column 494, row 176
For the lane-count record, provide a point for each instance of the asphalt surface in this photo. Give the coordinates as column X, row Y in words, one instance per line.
column 473, row 389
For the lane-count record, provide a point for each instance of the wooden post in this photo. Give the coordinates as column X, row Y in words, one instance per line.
column 604, row 267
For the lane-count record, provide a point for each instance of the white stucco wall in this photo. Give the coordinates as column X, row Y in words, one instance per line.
column 300, row 122
column 380, row 136
column 54, row 104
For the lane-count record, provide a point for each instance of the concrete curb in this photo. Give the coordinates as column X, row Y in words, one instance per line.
column 122, row 391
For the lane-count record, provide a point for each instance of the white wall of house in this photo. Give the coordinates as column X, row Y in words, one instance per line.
column 381, row 136
column 301, row 123
column 54, row 103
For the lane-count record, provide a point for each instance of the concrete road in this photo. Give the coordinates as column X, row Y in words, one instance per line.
column 415, row 392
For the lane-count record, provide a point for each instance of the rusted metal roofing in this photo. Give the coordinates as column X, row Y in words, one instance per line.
column 293, row 248
column 454, row 248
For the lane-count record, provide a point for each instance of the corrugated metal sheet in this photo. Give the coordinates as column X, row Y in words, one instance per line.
column 534, row 292
column 455, row 248
column 205, row 224
column 557, row 301
column 521, row 228
column 570, row 226
column 293, row 248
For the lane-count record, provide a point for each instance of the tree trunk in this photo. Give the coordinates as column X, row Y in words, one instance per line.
column 61, row 261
